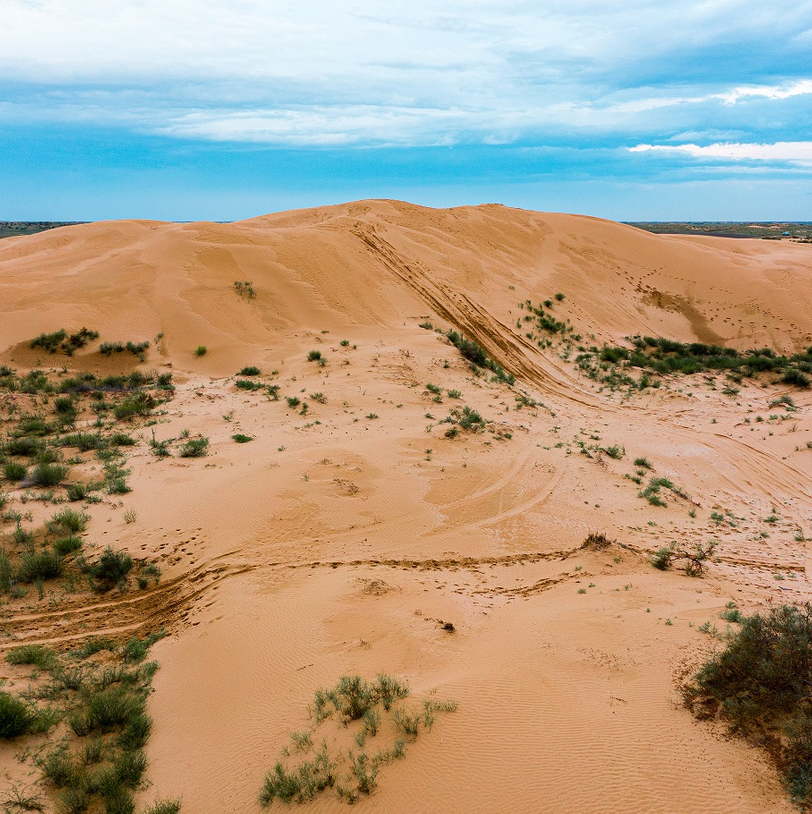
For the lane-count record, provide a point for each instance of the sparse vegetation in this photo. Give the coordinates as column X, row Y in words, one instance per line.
column 358, row 708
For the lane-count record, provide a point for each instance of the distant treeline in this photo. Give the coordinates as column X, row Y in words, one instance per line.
column 766, row 230
column 14, row 228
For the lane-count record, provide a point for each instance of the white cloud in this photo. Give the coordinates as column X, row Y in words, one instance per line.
column 434, row 71
column 798, row 152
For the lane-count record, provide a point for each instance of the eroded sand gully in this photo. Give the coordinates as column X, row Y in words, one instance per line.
column 342, row 540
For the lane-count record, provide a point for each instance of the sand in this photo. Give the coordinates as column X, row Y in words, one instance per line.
column 341, row 541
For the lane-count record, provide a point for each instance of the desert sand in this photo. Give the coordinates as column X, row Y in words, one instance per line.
column 342, row 541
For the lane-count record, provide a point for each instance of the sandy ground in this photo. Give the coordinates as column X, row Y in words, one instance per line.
column 341, row 541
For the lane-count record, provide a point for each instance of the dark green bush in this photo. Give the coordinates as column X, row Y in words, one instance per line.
column 194, row 448
column 39, row 565
column 48, row 474
column 16, row 717
column 251, row 370
column 759, row 684
column 112, row 567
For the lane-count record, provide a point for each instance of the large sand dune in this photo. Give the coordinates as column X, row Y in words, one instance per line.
column 341, row 541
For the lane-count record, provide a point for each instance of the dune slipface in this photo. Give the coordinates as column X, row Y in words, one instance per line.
column 392, row 509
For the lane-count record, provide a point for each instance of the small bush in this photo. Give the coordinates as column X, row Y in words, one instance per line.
column 48, row 474
column 200, row 350
column 194, row 448
column 314, row 356
column 241, row 439
column 76, row 491
column 247, row 384
column 39, row 565
column 797, row 378
column 596, row 541
column 16, row 717
column 251, row 370
column 68, row 520
column 644, row 462
column 112, row 568
column 39, row 655
column 15, row 471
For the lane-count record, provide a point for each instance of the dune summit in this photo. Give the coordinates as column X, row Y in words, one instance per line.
column 371, row 440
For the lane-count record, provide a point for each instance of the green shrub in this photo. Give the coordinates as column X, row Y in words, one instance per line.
column 246, row 384
column 314, row 356
column 241, row 439
column 28, row 447
column 45, row 474
column 15, row 471
column 112, row 568
column 796, row 378
column 37, row 654
column 16, row 717
column 67, row 545
column 49, row 342
column 759, row 684
column 39, row 565
column 76, row 491
column 163, row 807
column 251, row 370
column 194, row 448
column 68, row 520
column 200, row 350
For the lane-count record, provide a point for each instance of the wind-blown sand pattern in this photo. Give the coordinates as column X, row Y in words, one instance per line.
column 341, row 541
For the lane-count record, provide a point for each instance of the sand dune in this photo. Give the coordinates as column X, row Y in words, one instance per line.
column 564, row 662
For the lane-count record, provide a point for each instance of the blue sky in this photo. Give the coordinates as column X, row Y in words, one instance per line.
column 182, row 110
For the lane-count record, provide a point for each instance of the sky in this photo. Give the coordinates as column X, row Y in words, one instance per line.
column 215, row 110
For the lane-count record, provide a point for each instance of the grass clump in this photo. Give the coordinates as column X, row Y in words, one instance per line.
column 477, row 356
column 241, row 439
column 194, row 448
column 250, row 370
column 48, row 474
column 111, row 569
column 247, row 384
column 42, row 657
column 16, row 717
column 357, row 708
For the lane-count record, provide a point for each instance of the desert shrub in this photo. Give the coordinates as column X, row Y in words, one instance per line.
column 797, row 378
column 106, row 710
column 596, row 541
column 47, row 474
column 163, row 807
column 67, row 545
column 49, row 342
column 139, row 403
column 759, row 685
column 70, row 521
column 302, row 783
column 39, row 565
column 15, row 471
column 201, row 350
column 121, row 439
column 644, row 462
column 194, row 448
column 83, row 441
column 111, row 568
column 241, row 439
column 76, row 491
column 16, row 717
column 28, row 447
column 251, row 370
column 694, row 558
column 245, row 288
column 247, row 384
column 615, row 451
column 37, row 654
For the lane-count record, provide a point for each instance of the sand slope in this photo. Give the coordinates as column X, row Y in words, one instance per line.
column 340, row 541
